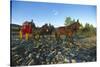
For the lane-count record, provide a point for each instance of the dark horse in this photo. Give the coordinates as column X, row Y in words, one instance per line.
column 46, row 29
column 69, row 31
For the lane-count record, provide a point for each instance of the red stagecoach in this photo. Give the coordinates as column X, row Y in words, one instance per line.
column 26, row 30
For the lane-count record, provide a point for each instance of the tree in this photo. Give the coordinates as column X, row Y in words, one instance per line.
column 73, row 20
column 87, row 27
column 69, row 21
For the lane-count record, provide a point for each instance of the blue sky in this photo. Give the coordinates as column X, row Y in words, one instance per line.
column 52, row 13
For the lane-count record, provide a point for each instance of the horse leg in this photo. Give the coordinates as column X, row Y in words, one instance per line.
column 69, row 40
column 58, row 38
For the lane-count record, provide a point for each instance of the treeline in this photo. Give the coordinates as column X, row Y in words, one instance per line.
column 85, row 30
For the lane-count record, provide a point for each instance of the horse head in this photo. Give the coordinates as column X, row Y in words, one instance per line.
column 75, row 26
column 44, row 29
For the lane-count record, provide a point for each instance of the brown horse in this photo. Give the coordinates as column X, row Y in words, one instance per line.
column 69, row 31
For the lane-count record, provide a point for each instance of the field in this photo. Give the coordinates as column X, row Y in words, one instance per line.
column 49, row 50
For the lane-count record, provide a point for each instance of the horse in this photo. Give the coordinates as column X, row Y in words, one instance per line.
column 46, row 30
column 68, row 31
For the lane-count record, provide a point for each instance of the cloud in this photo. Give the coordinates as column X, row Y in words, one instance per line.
column 55, row 12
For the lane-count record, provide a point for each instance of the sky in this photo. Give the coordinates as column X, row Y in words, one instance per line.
column 53, row 13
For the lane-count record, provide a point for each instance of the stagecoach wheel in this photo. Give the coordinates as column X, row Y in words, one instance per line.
column 20, row 35
column 30, row 36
